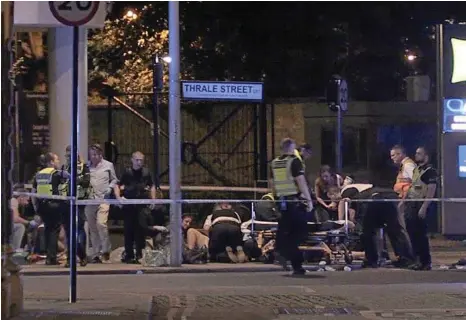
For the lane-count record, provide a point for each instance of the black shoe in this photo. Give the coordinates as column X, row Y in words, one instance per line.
column 367, row 264
column 130, row 261
column 402, row 263
column 51, row 262
column 96, row 260
column 83, row 262
column 420, row 267
column 299, row 272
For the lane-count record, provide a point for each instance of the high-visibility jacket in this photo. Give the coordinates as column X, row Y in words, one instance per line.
column 402, row 185
column 81, row 193
column 44, row 183
column 418, row 189
column 283, row 182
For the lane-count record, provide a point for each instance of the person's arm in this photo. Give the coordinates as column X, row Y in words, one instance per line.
column 120, row 186
column 208, row 223
column 430, row 178
column 35, row 203
column 150, row 184
column 318, row 195
column 113, row 177
column 15, row 211
column 297, row 171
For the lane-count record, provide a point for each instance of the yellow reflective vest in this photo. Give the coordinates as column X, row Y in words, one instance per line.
column 44, row 183
column 418, row 189
column 283, row 182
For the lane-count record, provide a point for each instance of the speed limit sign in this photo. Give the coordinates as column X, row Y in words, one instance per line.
column 74, row 13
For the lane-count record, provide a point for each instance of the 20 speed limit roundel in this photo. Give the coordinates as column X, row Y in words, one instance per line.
column 74, row 13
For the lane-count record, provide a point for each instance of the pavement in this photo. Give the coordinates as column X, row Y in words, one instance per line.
column 362, row 294
column 249, row 291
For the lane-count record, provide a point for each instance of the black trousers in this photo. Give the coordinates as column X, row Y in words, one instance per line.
column 51, row 214
column 133, row 232
column 377, row 215
column 417, row 230
column 292, row 232
column 81, row 242
column 224, row 234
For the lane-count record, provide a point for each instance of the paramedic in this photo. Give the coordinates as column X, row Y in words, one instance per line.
column 289, row 185
column 423, row 186
column 49, row 182
column 375, row 215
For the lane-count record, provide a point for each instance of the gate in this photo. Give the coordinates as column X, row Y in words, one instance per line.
column 224, row 144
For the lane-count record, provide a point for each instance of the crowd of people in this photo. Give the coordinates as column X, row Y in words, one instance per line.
column 293, row 203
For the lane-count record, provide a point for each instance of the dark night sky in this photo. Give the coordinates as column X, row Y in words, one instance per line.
column 298, row 45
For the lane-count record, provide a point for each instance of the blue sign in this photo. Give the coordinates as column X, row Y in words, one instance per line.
column 462, row 161
column 454, row 115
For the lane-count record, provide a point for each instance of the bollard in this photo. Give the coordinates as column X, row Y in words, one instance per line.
column 14, row 292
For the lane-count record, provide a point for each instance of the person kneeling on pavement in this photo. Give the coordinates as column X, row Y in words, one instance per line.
column 225, row 235
column 375, row 216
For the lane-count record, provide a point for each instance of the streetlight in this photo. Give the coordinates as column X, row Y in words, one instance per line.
column 411, row 57
column 131, row 15
column 167, row 59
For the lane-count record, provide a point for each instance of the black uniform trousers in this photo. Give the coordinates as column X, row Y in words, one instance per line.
column 133, row 232
column 376, row 215
column 81, row 241
column 417, row 230
column 292, row 232
column 51, row 213
column 224, row 234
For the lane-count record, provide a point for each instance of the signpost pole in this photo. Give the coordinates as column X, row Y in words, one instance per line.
column 338, row 151
column 155, row 120
column 74, row 166
column 175, row 135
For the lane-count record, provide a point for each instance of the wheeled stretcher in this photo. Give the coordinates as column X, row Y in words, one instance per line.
column 333, row 238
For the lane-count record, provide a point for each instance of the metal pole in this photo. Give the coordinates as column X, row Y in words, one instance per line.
column 440, row 121
column 155, row 123
column 175, row 135
column 338, row 150
column 74, row 166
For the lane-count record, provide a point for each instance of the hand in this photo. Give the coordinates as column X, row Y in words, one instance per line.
column 121, row 199
column 332, row 206
column 65, row 174
column 160, row 228
column 33, row 224
column 422, row 213
column 309, row 206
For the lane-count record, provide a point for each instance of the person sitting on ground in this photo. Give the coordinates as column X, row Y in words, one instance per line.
column 20, row 225
column 327, row 179
column 195, row 242
column 225, row 235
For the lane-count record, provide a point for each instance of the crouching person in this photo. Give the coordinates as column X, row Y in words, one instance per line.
column 225, row 235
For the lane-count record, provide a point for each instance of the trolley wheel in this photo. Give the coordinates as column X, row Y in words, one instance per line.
column 348, row 258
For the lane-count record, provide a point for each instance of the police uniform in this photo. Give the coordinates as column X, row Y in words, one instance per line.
column 82, row 192
column 292, row 226
column 48, row 182
column 376, row 215
column 416, row 226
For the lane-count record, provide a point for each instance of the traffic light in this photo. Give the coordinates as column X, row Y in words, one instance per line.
column 157, row 71
column 337, row 94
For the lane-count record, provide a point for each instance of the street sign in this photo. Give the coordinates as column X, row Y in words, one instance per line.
column 53, row 14
column 74, row 13
column 343, row 96
column 223, row 91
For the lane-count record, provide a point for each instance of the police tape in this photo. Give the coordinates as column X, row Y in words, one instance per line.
column 409, row 200
column 209, row 201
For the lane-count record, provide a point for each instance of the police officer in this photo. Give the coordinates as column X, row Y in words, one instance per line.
column 374, row 216
column 135, row 183
column 49, row 182
column 289, row 186
column 82, row 192
column 423, row 186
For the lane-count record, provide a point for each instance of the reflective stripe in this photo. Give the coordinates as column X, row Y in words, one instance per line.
column 298, row 155
column 283, row 181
